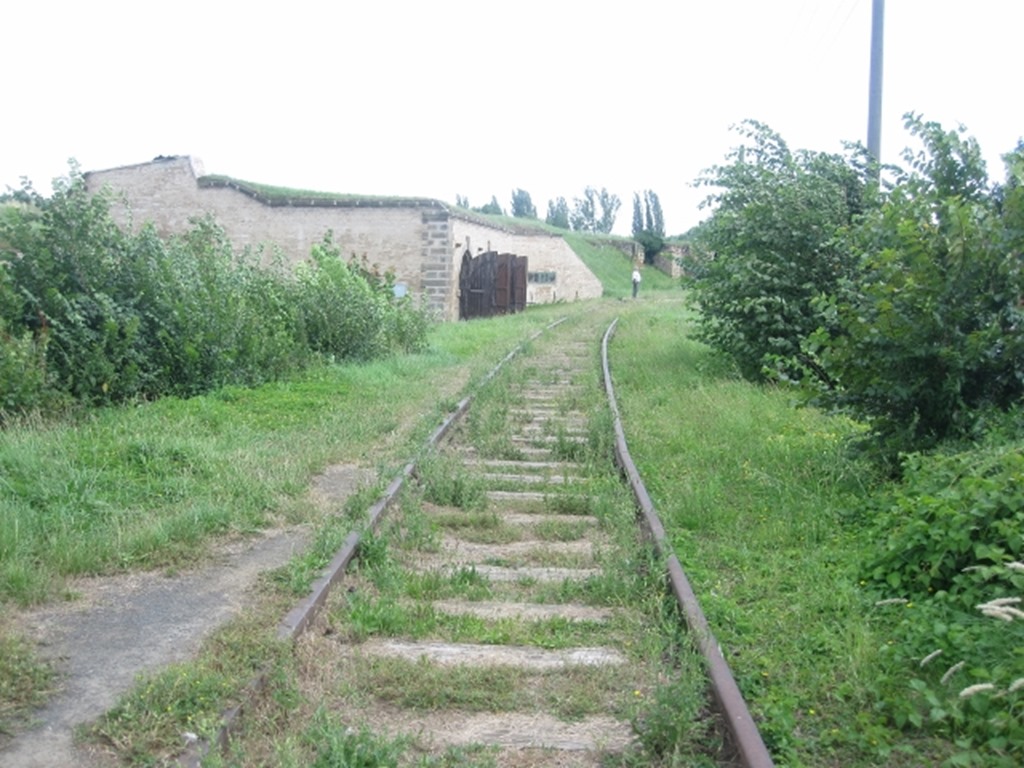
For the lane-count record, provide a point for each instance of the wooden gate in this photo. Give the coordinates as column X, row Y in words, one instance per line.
column 491, row 284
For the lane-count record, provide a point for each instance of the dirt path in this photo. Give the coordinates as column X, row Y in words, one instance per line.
column 125, row 625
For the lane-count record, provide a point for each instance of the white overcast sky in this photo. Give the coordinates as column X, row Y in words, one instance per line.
column 476, row 98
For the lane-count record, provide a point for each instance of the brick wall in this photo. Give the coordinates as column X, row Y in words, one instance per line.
column 419, row 239
column 669, row 260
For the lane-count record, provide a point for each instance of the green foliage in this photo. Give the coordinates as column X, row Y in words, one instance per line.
column 926, row 339
column 493, row 208
column 648, row 224
column 901, row 308
column 99, row 315
column 951, row 526
column 951, row 551
column 522, row 205
column 595, row 211
column 558, row 213
column 985, row 723
column 344, row 313
column 966, row 676
column 23, row 380
column 771, row 247
column 652, row 244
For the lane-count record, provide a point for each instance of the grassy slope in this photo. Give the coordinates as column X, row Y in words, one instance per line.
column 614, row 269
column 756, row 497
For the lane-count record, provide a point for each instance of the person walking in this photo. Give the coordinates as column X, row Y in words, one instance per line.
column 636, row 281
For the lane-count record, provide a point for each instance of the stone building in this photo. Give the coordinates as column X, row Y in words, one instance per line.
column 421, row 240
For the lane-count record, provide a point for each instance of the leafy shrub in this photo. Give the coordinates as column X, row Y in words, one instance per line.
column 771, row 246
column 966, row 682
column 22, row 374
column 343, row 314
column 926, row 338
column 23, row 384
column 951, row 553
column 952, row 525
column 349, row 309
column 100, row 315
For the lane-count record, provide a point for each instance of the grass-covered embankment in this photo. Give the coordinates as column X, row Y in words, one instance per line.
column 760, row 501
column 147, row 486
column 154, row 485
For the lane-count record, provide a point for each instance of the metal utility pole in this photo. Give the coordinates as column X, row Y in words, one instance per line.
column 875, row 88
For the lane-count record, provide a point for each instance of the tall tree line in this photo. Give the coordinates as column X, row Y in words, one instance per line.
column 648, row 224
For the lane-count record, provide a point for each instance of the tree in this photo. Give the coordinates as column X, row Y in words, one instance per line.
column 522, row 205
column 585, row 218
column 610, row 205
column 462, row 202
column 558, row 213
column 926, row 339
column 493, row 208
column 772, row 247
column 648, row 224
column 657, row 218
column 584, row 212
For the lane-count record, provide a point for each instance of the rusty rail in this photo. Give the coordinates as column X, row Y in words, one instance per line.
column 746, row 739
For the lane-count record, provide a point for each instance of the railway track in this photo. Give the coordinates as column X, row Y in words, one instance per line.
column 506, row 609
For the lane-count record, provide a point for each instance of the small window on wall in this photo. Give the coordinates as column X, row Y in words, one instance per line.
column 400, row 290
column 540, row 277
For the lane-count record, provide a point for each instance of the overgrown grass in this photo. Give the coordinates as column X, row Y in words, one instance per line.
column 756, row 497
column 150, row 724
column 762, row 502
column 25, row 680
column 613, row 268
column 664, row 698
column 150, row 486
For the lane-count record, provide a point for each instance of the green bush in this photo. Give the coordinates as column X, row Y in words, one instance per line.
column 950, row 569
column 927, row 338
column 350, row 310
column 344, row 315
column 22, row 374
column 99, row 315
column 770, row 247
column 23, row 385
column 951, row 526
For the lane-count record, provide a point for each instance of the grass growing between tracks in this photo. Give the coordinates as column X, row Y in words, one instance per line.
column 341, row 686
column 153, row 486
column 756, row 498
column 150, row 486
